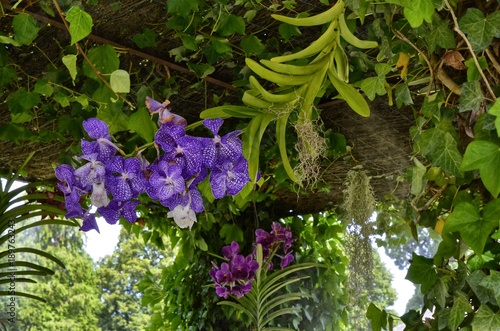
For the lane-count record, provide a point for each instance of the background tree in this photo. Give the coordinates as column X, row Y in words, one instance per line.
column 119, row 275
column 72, row 294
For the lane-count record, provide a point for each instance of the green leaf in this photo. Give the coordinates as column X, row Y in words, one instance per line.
column 471, row 97
column 403, row 96
column 221, row 46
column 485, row 156
column 182, row 7
column 492, row 284
column 418, row 182
column 202, row 70
column 458, row 311
column 479, row 30
column 377, row 317
column 440, row 35
column 495, row 111
column 484, row 294
column 21, row 117
column 376, row 85
column 80, row 24
column 494, row 20
column 22, row 101
column 8, row 40
column 145, row 39
column 287, row 31
column 140, row 122
column 251, row 45
column 420, row 10
column 70, row 63
column 7, row 75
column 440, row 148
column 104, row 58
column 231, row 232
column 230, row 24
column 474, row 229
column 486, row 320
column 189, row 42
column 472, row 71
column 43, row 87
column 422, row 271
column 25, row 28
column 120, row 81
column 431, row 107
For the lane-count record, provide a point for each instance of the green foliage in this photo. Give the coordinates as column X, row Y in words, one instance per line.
column 71, row 293
column 19, row 213
column 80, row 24
column 121, row 276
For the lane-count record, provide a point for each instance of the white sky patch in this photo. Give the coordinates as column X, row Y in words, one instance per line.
column 404, row 288
column 101, row 244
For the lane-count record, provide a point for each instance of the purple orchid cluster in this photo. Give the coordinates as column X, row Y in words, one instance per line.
column 114, row 182
column 278, row 237
column 235, row 276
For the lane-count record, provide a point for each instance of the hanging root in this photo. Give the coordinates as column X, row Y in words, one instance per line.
column 311, row 146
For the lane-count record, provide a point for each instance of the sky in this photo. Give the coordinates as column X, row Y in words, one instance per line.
column 99, row 245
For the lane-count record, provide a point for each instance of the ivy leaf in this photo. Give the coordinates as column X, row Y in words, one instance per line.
column 251, row 45
column 484, row 294
column 491, row 283
column 376, row 85
column 182, row 7
column 486, row 320
column 457, row 313
column 70, row 63
column 440, row 148
column 373, row 86
column 471, row 96
column 422, row 271
column 120, row 81
column 104, row 58
column 230, row 233
column 431, row 107
column 485, row 156
column 494, row 20
column 25, row 28
column 140, row 122
column 230, row 24
column 441, row 35
column 472, row 71
column 403, row 96
column 377, row 317
column 480, row 30
column 80, row 24
column 420, row 10
column 495, row 111
column 145, row 39
column 473, row 228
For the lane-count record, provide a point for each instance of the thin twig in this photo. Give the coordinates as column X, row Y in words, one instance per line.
column 403, row 37
column 80, row 50
column 471, row 50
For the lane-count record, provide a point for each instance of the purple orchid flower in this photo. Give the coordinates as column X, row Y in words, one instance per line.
column 230, row 177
